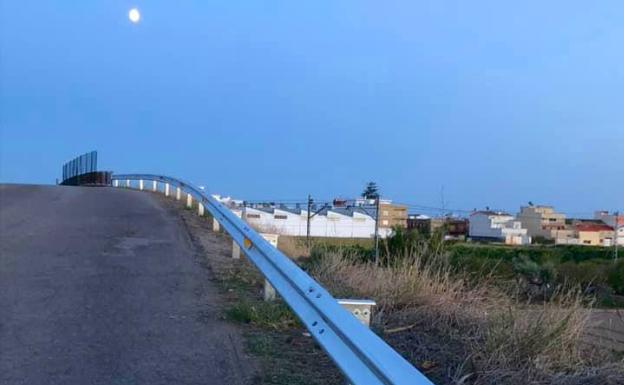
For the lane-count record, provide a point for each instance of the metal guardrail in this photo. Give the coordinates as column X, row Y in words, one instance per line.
column 361, row 355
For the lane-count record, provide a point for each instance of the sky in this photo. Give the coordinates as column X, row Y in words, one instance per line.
column 450, row 104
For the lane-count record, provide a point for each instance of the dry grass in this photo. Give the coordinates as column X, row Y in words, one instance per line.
column 484, row 336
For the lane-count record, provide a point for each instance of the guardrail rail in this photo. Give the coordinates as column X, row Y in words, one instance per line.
column 362, row 356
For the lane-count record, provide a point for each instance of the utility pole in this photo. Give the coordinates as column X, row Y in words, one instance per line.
column 312, row 215
column 308, row 222
column 615, row 238
column 377, row 230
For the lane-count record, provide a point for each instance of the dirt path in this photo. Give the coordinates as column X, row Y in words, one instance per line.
column 607, row 329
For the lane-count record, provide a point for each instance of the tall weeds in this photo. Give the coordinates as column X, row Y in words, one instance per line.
column 496, row 338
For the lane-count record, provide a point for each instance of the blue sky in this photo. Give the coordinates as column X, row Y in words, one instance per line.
column 495, row 103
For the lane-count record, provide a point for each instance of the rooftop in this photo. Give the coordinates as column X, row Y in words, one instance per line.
column 593, row 227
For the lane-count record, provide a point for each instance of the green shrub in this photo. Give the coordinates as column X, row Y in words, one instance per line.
column 273, row 315
column 616, row 277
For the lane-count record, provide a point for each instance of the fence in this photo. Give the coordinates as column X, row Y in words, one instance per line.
column 361, row 355
column 82, row 170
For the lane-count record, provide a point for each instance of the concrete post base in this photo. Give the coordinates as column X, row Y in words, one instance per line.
column 269, row 291
column 235, row 250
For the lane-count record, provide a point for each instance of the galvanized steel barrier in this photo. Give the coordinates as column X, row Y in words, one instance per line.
column 360, row 354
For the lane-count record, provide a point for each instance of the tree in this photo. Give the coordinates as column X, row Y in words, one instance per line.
column 371, row 191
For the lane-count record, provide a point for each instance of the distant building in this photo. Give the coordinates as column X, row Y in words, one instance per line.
column 420, row 223
column 610, row 220
column 593, row 234
column 454, row 228
column 497, row 226
column 542, row 221
column 347, row 222
column 228, row 201
column 392, row 215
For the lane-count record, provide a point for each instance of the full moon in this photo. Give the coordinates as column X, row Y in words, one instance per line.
column 134, row 15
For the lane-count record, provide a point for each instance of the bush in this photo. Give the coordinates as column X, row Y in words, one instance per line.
column 616, row 277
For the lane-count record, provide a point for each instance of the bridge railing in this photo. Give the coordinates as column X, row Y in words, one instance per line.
column 361, row 355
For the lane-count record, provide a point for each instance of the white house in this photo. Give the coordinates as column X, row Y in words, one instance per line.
column 610, row 219
column 347, row 222
column 497, row 226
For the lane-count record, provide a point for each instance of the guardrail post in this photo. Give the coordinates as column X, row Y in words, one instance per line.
column 269, row 290
column 116, row 183
column 127, row 183
column 141, row 184
column 235, row 246
column 154, row 186
column 215, row 225
column 178, row 193
column 235, row 250
column 189, row 200
column 200, row 209
column 166, row 189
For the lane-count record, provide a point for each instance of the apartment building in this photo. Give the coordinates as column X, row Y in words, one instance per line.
column 392, row 215
column 543, row 221
column 497, row 226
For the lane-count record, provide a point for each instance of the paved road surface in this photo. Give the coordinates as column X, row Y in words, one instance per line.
column 104, row 286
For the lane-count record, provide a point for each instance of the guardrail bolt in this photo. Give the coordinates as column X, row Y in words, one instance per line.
column 360, row 308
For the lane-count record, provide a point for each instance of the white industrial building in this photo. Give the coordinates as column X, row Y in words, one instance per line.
column 497, row 226
column 343, row 222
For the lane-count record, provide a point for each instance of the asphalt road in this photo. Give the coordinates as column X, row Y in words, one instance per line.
column 105, row 286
